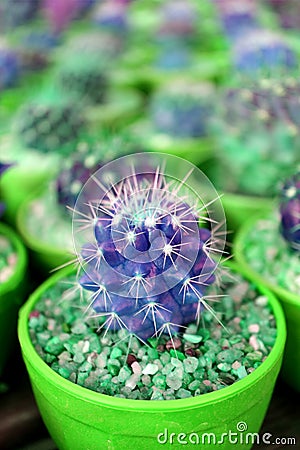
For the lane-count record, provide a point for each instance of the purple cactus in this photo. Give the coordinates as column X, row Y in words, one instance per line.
column 112, row 16
column 263, row 50
column 178, row 18
column 60, row 13
column 9, row 66
column 288, row 11
column 290, row 211
column 238, row 18
column 150, row 265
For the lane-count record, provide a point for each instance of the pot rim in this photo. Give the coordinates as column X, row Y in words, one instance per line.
column 285, row 295
column 21, row 264
column 87, row 395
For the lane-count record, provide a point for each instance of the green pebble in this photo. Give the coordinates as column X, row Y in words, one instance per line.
column 177, row 354
column 85, row 367
column 241, row 372
column 176, row 362
column 192, row 338
column 81, row 377
column 204, row 333
column 190, row 364
column 157, row 395
column 113, row 368
column 64, row 372
column 124, row 374
column 54, row 346
column 254, row 356
column 115, row 353
column 159, row 381
column 183, row 393
column 194, row 385
column 152, row 353
column 212, row 375
column 229, row 356
column 79, row 358
column 224, row 367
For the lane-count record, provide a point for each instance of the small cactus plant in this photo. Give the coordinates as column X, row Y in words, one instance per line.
column 258, row 133
column 182, row 109
column 237, row 18
column 84, row 78
column 288, row 11
column 16, row 12
column 9, row 66
column 49, row 126
column 59, row 14
column 263, row 51
column 150, row 265
column 290, row 211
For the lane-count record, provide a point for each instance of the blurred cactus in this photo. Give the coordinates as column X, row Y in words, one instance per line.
column 151, row 265
column 182, row 109
column 84, row 77
column 257, row 131
column 89, row 155
column 178, row 18
column 263, row 51
column 9, row 66
column 111, row 16
column 49, row 125
column 238, row 18
column 17, row 12
column 290, row 211
column 59, row 13
column 288, row 11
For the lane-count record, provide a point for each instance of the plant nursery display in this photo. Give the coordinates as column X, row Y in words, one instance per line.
column 152, row 324
column 269, row 247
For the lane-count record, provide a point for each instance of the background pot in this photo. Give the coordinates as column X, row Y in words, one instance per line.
column 291, row 306
column 77, row 416
column 12, row 294
column 45, row 257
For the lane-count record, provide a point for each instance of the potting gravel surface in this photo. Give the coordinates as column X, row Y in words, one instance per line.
column 270, row 255
column 203, row 359
column 8, row 259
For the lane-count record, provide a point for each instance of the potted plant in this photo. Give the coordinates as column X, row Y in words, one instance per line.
column 268, row 248
column 257, row 138
column 150, row 303
column 13, row 262
column 50, row 249
column 177, row 119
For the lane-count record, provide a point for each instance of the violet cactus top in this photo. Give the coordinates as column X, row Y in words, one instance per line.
column 150, row 265
column 290, row 211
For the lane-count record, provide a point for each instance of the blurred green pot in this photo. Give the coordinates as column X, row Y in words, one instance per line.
column 12, row 294
column 45, row 256
column 80, row 418
column 291, row 306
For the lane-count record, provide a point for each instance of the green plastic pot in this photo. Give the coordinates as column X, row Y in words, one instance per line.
column 291, row 306
column 240, row 208
column 45, row 257
column 12, row 294
column 78, row 418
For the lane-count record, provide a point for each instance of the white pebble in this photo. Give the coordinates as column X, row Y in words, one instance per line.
column 253, row 328
column 136, row 368
column 150, row 369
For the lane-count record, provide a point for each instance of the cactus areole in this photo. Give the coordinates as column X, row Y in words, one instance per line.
column 146, row 261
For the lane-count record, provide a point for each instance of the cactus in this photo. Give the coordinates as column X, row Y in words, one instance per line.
column 258, row 133
column 150, row 264
column 290, row 211
column 237, row 18
column 288, row 11
column 89, row 155
column 16, row 12
column 112, row 16
column 263, row 51
column 9, row 66
column 59, row 14
column 182, row 109
column 49, row 126
column 84, row 77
